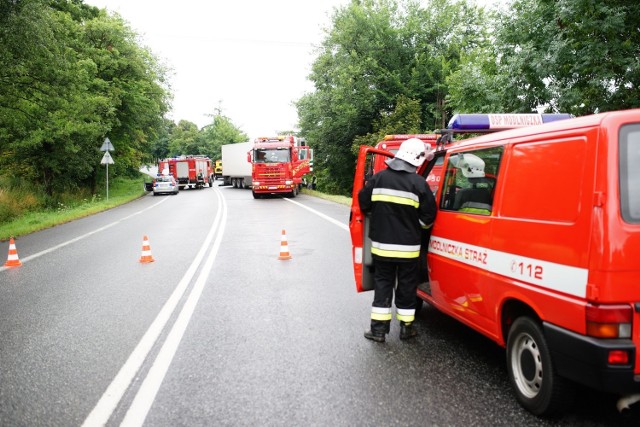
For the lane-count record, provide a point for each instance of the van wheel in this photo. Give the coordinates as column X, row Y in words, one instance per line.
column 531, row 372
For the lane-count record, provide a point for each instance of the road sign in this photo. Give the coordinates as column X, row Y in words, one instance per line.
column 106, row 159
column 107, row 145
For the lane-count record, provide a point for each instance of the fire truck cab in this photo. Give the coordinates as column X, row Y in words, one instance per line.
column 278, row 164
column 535, row 245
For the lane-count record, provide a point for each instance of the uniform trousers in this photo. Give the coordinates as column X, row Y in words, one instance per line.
column 386, row 272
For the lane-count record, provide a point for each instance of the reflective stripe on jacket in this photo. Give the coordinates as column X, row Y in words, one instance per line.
column 401, row 204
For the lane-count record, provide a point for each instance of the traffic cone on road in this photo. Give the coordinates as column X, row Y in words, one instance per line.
column 146, row 251
column 284, row 247
column 12, row 260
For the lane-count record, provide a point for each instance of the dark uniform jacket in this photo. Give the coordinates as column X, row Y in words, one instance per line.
column 401, row 205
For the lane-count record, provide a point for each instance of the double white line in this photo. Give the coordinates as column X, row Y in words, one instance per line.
column 146, row 394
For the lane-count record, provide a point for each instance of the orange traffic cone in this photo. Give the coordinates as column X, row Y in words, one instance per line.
column 12, row 260
column 284, row 247
column 146, row 251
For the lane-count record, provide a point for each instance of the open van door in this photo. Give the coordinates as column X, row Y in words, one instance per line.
column 359, row 222
column 370, row 161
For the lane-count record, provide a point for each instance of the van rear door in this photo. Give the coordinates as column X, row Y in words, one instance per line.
column 358, row 221
column 618, row 269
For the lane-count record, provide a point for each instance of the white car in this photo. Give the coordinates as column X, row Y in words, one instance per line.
column 165, row 184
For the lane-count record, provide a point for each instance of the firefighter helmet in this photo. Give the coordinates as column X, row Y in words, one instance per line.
column 471, row 165
column 413, row 151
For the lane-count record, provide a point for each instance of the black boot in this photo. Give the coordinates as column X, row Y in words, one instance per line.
column 374, row 336
column 407, row 331
column 379, row 328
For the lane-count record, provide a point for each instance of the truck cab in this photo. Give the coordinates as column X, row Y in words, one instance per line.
column 278, row 165
column 217, row 172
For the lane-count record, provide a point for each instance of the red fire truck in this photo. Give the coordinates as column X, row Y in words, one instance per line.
column 535, row 245
column 278, row 164
column 188, row 171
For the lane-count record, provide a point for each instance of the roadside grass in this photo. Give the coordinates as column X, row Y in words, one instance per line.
column 121, row 190
column 343, row 200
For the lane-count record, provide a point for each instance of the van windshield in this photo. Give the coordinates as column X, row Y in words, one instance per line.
column 629, row 148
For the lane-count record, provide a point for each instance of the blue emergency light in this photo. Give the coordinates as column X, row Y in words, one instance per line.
column 494, row 122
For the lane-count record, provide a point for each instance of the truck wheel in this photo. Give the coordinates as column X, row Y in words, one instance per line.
column 255, row 195
column 531, row 372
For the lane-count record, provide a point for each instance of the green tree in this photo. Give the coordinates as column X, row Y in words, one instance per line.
column 71, row 74
column 185, row 139
column 135, row 84
column 376, row 53
column 220, row 132
column 405, row 119
column 477, row 86
column 575, row 56
column 48, row 114
column 160, row 144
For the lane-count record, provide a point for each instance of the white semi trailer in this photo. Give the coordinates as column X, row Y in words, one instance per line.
column 236, row 170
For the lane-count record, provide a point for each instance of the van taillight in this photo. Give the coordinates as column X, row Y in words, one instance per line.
column 618, row 357
column 609, row 321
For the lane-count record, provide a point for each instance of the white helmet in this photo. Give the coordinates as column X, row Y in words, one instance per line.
column 471, row 165
column 413, row 151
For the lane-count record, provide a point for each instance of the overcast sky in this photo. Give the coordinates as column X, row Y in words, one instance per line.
column 250, row 58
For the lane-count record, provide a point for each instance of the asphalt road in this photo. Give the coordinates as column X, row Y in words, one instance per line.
column 219, row 331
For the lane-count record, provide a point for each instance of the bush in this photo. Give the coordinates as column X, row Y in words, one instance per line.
column 16, row 201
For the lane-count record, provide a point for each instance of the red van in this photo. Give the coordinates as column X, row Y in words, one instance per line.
column 536, row 245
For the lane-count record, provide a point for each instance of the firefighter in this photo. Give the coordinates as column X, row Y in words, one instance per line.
column 400, row 204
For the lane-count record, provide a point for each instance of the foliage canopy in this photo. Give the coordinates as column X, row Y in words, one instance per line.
column 71, row 74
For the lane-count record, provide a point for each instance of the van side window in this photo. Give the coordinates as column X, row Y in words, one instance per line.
column 470, row 181
column 629, row 143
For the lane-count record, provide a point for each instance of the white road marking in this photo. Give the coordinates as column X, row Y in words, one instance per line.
column 320, row 214
column 97, row 230
column 141, row 405
column 103, row 410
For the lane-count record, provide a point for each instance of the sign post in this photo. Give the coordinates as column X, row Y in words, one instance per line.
column 107, row 159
